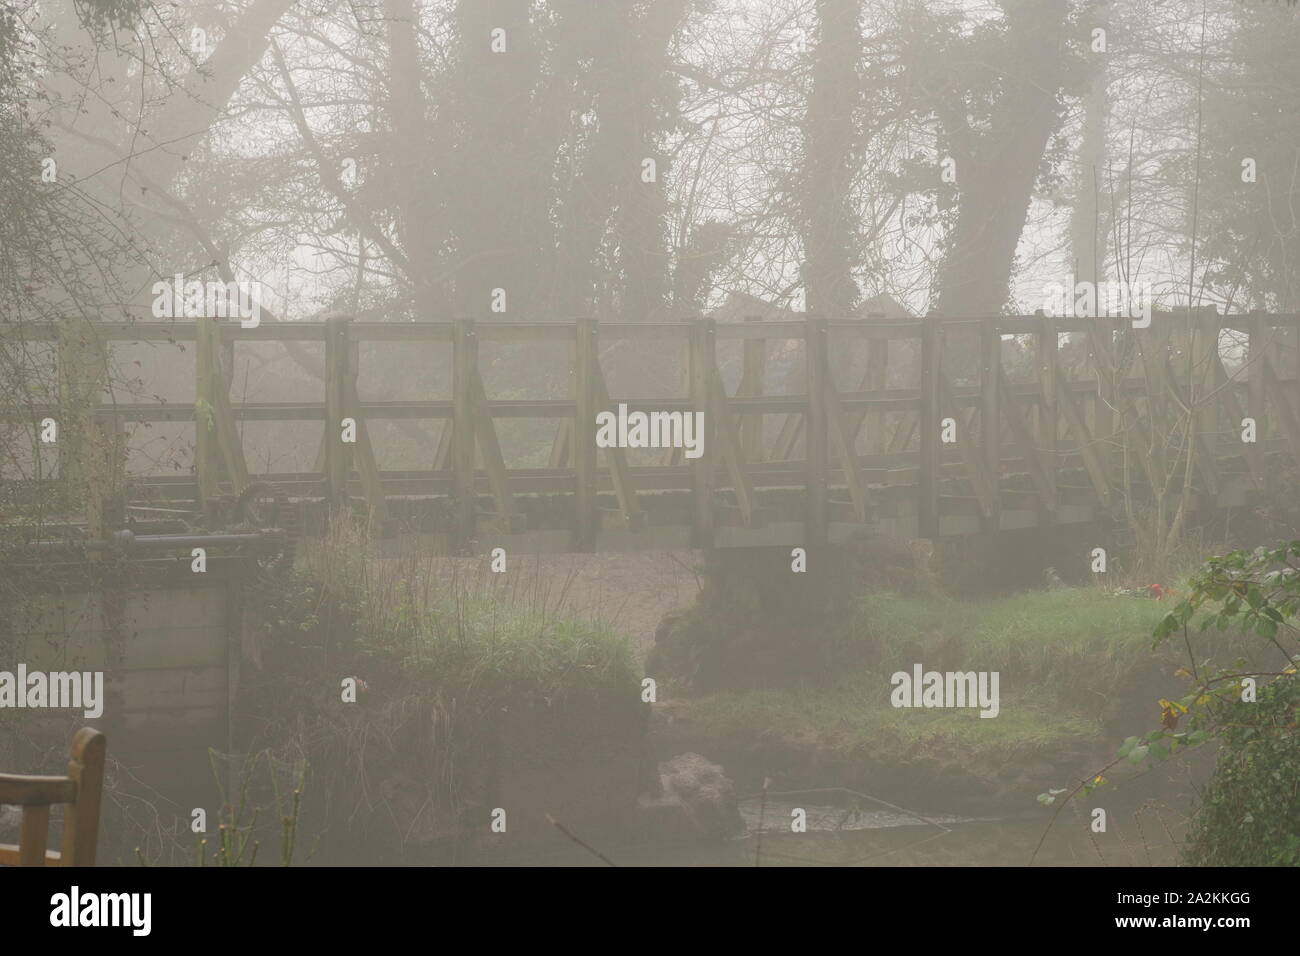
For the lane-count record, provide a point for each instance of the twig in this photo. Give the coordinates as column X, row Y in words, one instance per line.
column 590, row 849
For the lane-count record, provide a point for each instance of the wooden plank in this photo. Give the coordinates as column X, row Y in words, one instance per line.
column 586, row 370
column 817, row 427
column 19, row 790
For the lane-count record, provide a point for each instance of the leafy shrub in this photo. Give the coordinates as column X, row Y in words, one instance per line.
column 1250, row 810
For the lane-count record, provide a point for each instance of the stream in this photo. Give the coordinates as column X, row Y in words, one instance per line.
column 836, row 836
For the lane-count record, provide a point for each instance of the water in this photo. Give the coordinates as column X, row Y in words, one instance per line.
column 839, row 836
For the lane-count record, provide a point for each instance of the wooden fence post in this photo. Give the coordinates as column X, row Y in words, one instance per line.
column 82, row 376
column 751, row 429
column 586, row 370
column 703, row 366
column 1203, row 337
column 337, row 452
column 876, row 379
column 1256, row 356
column 816, row 438
column 207, row 462
column 991, row 417
column 464, row 368
column 1048, row 420
column 927, row 515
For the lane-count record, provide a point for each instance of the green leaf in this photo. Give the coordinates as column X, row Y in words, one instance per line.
column 1138, row 754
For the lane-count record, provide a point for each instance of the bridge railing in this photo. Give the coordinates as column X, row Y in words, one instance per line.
column 947, row 425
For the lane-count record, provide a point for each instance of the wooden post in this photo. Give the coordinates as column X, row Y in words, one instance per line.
column 81, row 819
column 703, row 341
column 991, row 417
column 207, row 455
column 1048, row 420
column 586, row 372
column 464, row 349
column 1101, row 349
column 1256, row 357
column 105, row 476
column 876, row 379
column 364, row 453
column 927, row 509
column 751, row 429
column 817, row 433
column 337, row 452
column 82, row 373
column 1154, row 347
column 1204, row 341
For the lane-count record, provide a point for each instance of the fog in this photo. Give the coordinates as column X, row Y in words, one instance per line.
column 653, row 432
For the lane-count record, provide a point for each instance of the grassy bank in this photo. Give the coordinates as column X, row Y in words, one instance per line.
column 1076, row 666
column 463, row 690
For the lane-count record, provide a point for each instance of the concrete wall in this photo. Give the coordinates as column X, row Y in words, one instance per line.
column 169, row 648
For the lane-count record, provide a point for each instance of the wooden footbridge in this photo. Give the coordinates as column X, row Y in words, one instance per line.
column 943, row 427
